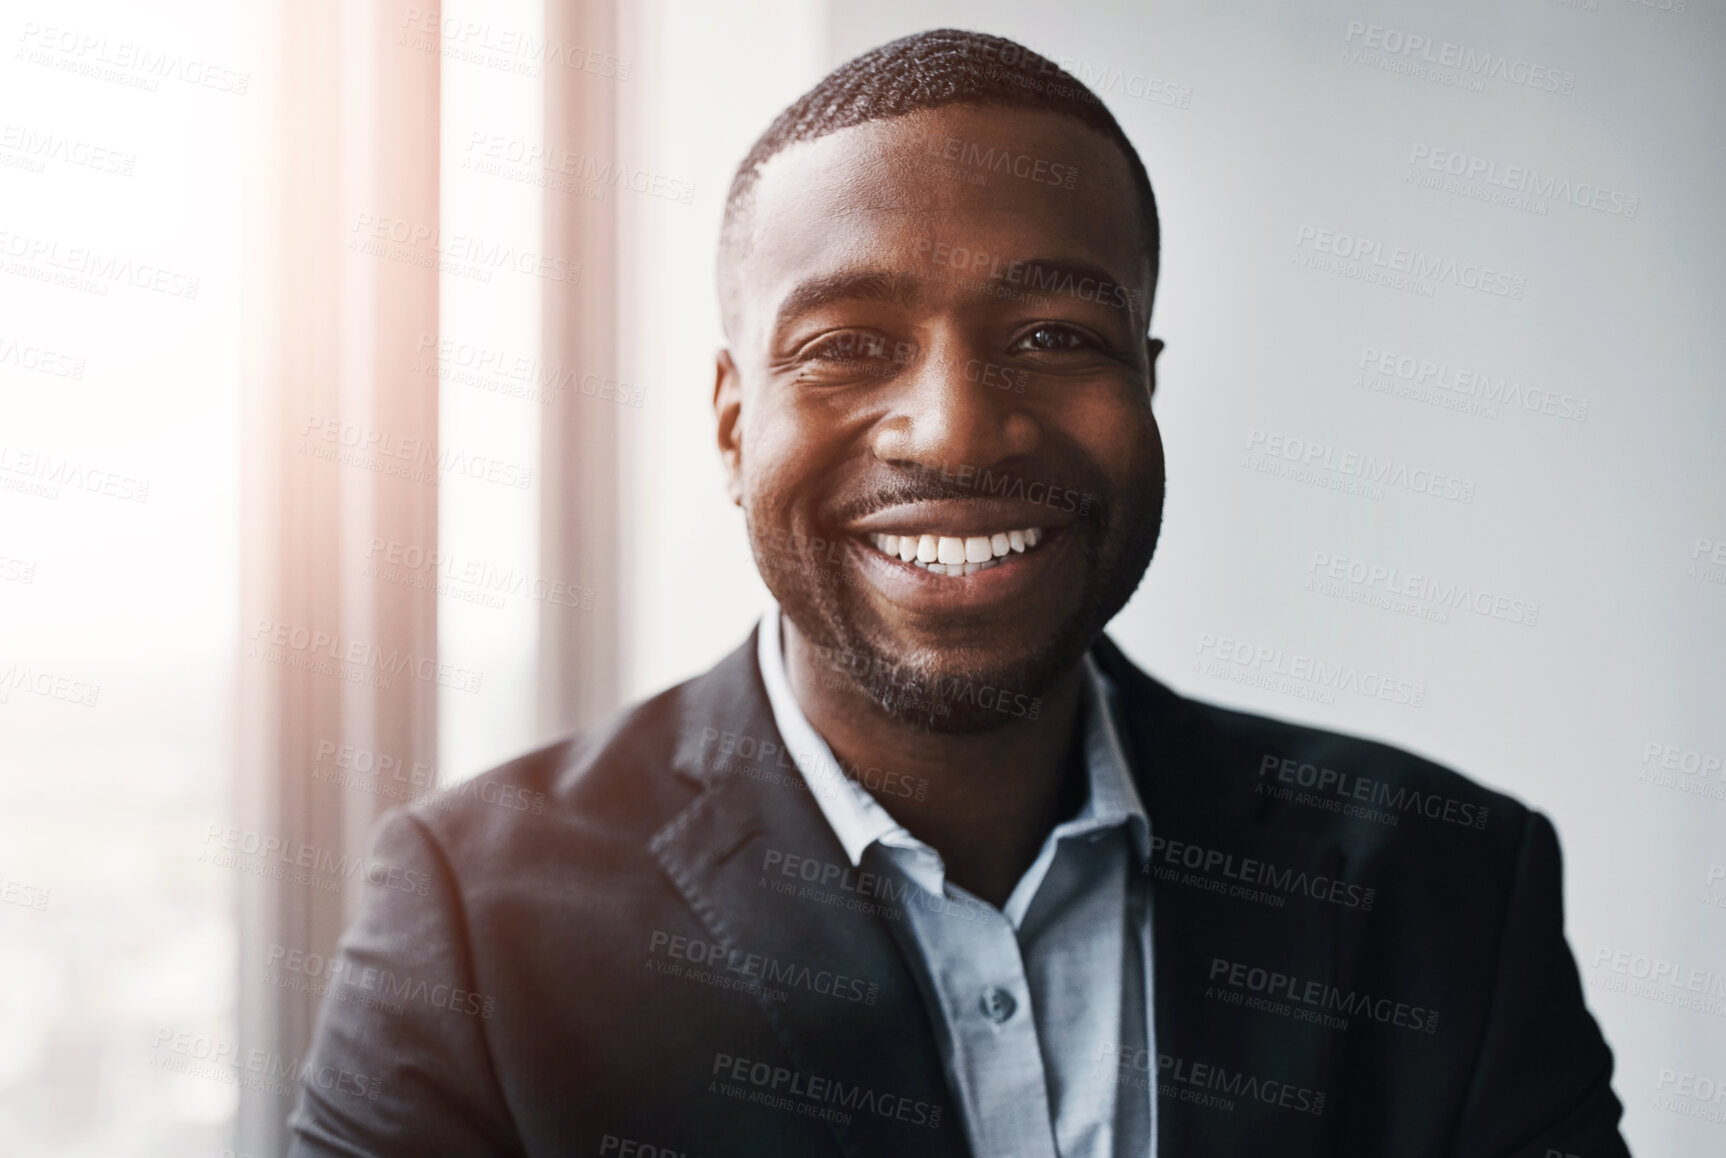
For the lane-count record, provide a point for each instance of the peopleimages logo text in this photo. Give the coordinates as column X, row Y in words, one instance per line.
column 274, row 640
column 822, row 1091
column 1522, row 179
column 1364, row 468
column 1321, row 995
column 91, row 270
column 993, row 159
column 1351, row 786
column 1263, row 874
column 1464, row 382
column 1418, row 264
column 764, row 969
column 1470, row 61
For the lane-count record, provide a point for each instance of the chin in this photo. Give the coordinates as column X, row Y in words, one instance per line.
column 941, row 697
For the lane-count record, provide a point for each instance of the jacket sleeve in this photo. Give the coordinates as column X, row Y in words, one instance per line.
column 1542, row 1082
column 408, row 1063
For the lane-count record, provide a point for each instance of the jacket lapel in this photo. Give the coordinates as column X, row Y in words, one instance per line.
column 1198, row 782
column 757, row 862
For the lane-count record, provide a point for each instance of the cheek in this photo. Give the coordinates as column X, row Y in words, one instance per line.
column 1120, row 437
column 1151, row 445
column 784, row 449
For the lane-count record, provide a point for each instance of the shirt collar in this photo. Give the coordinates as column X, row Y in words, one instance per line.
column 856, row 817
column 859, row 820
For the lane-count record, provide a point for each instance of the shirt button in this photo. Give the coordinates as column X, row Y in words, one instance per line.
column 997, row 1004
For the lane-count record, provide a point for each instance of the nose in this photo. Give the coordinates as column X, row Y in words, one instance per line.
column 943, row 417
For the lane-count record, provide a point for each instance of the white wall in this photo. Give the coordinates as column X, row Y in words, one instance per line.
column 708, row 79
column 1275, row 128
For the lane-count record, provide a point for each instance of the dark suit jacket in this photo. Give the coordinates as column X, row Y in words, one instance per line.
column 611, row 946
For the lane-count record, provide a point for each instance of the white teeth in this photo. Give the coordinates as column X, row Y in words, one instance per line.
column 956, row 555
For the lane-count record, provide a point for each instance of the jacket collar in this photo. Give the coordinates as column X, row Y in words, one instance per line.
column 742, row 854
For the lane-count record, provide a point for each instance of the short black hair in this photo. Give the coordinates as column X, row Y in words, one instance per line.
column 930, row 70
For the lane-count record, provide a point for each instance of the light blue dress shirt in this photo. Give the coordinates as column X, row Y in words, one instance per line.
column 1040, row 1001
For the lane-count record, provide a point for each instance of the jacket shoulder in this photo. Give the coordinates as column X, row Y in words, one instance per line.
column 606, row 785
column 1373, row 799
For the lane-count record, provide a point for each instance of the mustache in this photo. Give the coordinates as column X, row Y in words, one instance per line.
column 983, row 486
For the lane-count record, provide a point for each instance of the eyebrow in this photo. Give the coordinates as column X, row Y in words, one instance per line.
column 868, row 285
column 1033, row 276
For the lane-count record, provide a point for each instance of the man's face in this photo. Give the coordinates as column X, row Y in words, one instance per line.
column 937, row 347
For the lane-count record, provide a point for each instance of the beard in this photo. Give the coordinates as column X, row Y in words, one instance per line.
column 946, row 693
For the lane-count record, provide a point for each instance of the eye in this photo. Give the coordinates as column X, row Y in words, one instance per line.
column 844, row 357
column 856, row 346
column 1050, row 338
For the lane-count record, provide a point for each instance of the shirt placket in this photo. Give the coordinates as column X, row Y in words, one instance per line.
column 972, row 952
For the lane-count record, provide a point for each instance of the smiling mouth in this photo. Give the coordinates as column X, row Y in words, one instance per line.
column 955, row 555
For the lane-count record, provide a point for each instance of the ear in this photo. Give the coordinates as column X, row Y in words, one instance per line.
column 728, row 409
column 1153, row 347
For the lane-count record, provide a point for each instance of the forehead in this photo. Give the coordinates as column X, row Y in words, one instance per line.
column 999, row 185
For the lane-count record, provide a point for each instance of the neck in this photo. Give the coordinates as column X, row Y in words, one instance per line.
column 991, row 797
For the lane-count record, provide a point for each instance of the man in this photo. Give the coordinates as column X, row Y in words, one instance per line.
column 927, row 866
